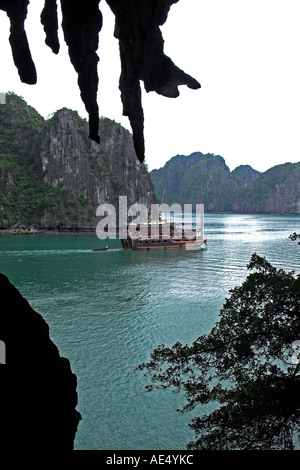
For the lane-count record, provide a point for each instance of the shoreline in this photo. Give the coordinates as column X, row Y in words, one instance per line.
column 82, row 231
column 15, row 231
column 31, row 231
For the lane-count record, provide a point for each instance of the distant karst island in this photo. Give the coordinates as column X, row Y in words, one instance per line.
column 205, row 178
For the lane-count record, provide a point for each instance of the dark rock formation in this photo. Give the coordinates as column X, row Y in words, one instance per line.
column 81, row 24
column 207, row 179
column 17, row 11
column 141, row 52
column 50, row 22
column 38, row 395
column 142, row 58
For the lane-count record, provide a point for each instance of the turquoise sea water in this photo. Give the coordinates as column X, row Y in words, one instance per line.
column 108, row 310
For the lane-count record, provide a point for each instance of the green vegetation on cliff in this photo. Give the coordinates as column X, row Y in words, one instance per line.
column 206, row 179
column 23, row 194
column 277, row 190
column 53, row 176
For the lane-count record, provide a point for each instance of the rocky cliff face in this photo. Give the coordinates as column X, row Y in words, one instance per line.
column 91, row 173
column 206, row 179
column 66, row 174
column 172, row 174
column 196, row 179
column 94, row 171
column 276, row 191
column 244, row 174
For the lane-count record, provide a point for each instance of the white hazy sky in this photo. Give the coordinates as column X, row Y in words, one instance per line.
column 245, row 54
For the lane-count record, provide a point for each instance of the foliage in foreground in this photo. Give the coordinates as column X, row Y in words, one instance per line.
column 245, row 367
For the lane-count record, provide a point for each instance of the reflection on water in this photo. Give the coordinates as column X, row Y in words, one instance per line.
column 107, row 310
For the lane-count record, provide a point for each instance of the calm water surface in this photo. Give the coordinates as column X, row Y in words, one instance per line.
column 108, row 310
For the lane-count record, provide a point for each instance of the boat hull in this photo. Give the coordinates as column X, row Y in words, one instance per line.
column 160, row 244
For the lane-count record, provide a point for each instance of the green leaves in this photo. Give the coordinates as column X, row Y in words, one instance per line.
column 243, row 367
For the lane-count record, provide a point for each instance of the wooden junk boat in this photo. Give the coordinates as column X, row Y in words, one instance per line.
column 167, row 235
column 163, row 234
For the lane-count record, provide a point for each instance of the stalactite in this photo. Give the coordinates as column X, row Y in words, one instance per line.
column 141, row 52
column 81, row 24
column 17, row 11
column 50, row 22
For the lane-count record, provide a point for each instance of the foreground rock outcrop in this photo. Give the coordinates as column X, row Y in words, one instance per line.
column 38, row 395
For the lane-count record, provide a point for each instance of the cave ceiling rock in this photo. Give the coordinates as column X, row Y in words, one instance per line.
column 137, row 28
